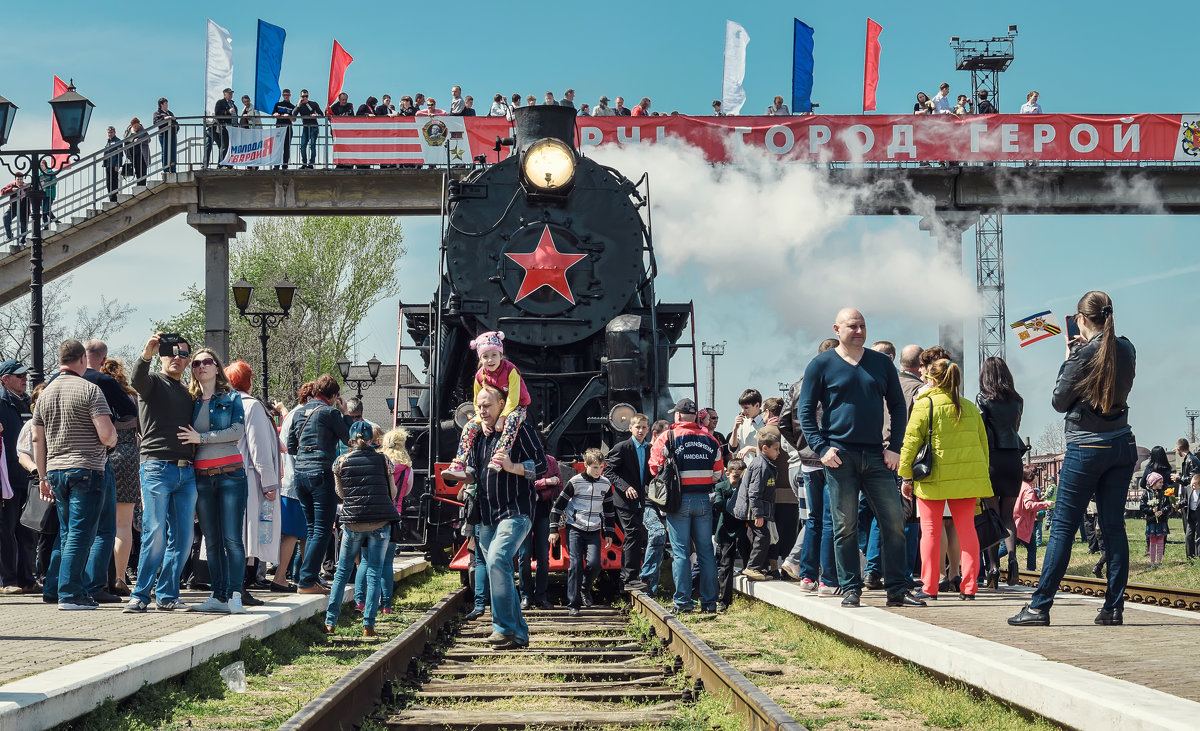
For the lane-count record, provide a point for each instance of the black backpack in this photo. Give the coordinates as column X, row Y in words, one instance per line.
column 789, row 419
column 665, row 490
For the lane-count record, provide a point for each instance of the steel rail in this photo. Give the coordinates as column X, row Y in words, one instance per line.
column 1162, row 596
column 715, row 674
column 358, row 692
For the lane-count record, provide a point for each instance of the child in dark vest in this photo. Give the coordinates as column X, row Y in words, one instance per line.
column 729, row 532
column 586, row 507
column 755, row 502
column 363, row 480
column 391, row 445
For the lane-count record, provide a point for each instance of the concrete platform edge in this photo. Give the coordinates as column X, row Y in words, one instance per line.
column 1063, row 693
column 44, row 700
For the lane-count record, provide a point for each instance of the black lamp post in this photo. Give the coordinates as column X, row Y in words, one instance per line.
column 285, row 292
column 72, row 111
column 373, row 365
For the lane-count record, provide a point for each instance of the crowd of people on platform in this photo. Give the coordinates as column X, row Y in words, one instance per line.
column 866, row 476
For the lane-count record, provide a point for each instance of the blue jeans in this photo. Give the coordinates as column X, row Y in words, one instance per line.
column 582, row 546
column 816, row 555
column 536, row 547
column 308, row 144
column 314, row 487
column 376, row 543
column 501, row 542
column 656, row 539
column 912, row 546
column 167, row 143
column 221, row 509
column 387, row 578
column 864, row 471
column 168, row 509
column 692, row 526
column 483, row 594
column 1104, row 470
column 868, row 536
column 95, row 577
column 78, row 495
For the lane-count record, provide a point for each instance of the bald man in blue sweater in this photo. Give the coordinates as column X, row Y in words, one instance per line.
column 852, row 384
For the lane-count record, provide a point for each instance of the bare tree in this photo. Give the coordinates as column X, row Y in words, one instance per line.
column 1052, row 440
column 97, row 321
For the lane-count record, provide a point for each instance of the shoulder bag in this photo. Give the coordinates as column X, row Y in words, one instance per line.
column 665, row 491
column 38, row 515
column 989, row 527
column 922, row 465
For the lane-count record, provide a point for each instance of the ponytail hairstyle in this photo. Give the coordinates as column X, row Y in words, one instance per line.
column 1099, row 386
column 948, row 377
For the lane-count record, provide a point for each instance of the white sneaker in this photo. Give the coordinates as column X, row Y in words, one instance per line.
column 791, row 569
column 826, row 590
column 808, row 586
column 74, row 607
column 235, row 603
column 212, row 605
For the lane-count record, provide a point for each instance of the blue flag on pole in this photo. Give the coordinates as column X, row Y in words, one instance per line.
column 270, row 61
column 802, row 69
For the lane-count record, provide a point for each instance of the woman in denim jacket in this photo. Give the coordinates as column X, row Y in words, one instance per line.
column 218, row 422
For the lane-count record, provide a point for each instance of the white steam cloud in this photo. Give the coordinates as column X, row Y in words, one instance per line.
column 784, row 234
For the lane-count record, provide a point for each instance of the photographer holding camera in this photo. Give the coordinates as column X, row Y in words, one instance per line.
column 168, row 481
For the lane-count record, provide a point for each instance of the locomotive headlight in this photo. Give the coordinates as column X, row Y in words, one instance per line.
column 464, row 413
column 620, row 416
column 549, row 164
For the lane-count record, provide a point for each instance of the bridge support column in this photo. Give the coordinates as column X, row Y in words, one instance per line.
column 947, row 228
column 218, row 229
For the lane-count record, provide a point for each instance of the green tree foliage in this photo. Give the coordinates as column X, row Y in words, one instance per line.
column 342, row 266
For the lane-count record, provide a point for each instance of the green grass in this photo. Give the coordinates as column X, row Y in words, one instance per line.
column 283, row 672
column 820, row 679
column 1176, row 569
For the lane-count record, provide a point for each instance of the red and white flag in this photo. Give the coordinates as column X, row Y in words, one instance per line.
column 403, row 140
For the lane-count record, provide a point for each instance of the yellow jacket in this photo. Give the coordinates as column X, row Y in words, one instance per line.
column 960, row 449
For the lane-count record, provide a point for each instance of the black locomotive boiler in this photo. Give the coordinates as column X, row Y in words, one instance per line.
column 551, row 248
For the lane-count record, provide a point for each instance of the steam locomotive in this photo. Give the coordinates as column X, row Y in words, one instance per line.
column 551, row 248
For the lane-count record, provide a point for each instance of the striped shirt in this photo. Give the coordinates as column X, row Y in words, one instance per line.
column 503, row 494
column 65, row 410
column 585, row 504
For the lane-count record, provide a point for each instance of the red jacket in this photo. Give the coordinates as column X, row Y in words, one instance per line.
column 697, row 456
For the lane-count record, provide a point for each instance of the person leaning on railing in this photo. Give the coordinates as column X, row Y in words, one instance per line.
column 309, row 113
column 168, row 134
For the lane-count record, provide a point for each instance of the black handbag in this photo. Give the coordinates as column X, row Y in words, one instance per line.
column 665, row 491
column 922, row 465
column 38, row 515
column 989, row 528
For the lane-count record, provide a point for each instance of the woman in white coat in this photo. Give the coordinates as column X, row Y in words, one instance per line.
column 261, row 456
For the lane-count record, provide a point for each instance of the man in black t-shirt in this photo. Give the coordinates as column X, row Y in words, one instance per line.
column 224, row 114
column 284, row 114
column 310, row 114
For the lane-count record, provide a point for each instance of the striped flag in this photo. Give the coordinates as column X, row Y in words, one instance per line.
column 400, row 140
column 1035, row 327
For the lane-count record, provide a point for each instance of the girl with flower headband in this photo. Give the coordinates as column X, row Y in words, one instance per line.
column 497, row 371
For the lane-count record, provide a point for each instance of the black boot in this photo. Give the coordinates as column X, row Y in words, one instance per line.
column 1029, row 617
column 248, row 580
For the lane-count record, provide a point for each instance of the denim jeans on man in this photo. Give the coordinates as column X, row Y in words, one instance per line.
column 168, row 510
column 314, row 487
column 692, row 526
column 167, row 143
column 536, row 548
column 1102, row 469
column 77, row 495
column 501, row 543
column 95, row 577
column 483, row 594
column 583, row 547
column 308, row 144
column 387, row 577
column 221, row 510
column 864, row 471
column 656, row 539
column 375, row 542
column 816, row 554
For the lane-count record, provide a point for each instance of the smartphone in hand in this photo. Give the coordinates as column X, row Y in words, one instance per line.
column 1072, row 329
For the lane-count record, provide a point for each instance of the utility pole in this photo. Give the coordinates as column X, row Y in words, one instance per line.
column 712, row 351
column 1191, row 415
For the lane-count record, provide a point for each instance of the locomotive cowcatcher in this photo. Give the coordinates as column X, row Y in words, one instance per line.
column 551, row 248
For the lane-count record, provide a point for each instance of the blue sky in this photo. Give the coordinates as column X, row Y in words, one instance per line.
column 124, row 59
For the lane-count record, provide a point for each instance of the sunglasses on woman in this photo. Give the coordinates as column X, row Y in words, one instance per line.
column 203, row 362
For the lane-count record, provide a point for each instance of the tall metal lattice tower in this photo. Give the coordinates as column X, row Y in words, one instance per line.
column 986, row 59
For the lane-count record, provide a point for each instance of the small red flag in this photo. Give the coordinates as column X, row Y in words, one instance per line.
column 56, row 139
column 871, row 73
column 337, row 71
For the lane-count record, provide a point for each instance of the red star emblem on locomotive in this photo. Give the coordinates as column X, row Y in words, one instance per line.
column 546, row 266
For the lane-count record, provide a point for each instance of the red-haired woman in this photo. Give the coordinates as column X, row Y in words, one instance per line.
column 261, row 456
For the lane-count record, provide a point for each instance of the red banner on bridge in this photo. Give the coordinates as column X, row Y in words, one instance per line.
column 818, row 138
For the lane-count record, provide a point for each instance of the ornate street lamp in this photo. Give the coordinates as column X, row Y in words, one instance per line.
column 373, row 366
column 285, row 293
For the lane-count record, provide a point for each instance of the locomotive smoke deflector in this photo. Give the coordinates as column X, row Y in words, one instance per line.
column 545, row 138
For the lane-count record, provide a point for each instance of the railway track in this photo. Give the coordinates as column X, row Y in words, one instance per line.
column 1162, row 596
column 593, row 670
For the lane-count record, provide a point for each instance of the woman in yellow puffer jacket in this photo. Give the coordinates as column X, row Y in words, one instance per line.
column 959, row 476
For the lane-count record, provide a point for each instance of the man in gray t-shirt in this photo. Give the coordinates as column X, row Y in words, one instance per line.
column 72, row 431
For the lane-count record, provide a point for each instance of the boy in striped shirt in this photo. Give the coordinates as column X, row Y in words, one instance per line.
column 586, row 507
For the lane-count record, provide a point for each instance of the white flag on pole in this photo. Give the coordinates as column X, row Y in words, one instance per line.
column 218, row 65
column 733, row 96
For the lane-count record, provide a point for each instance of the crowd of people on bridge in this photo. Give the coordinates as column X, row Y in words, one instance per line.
column 865, row 477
